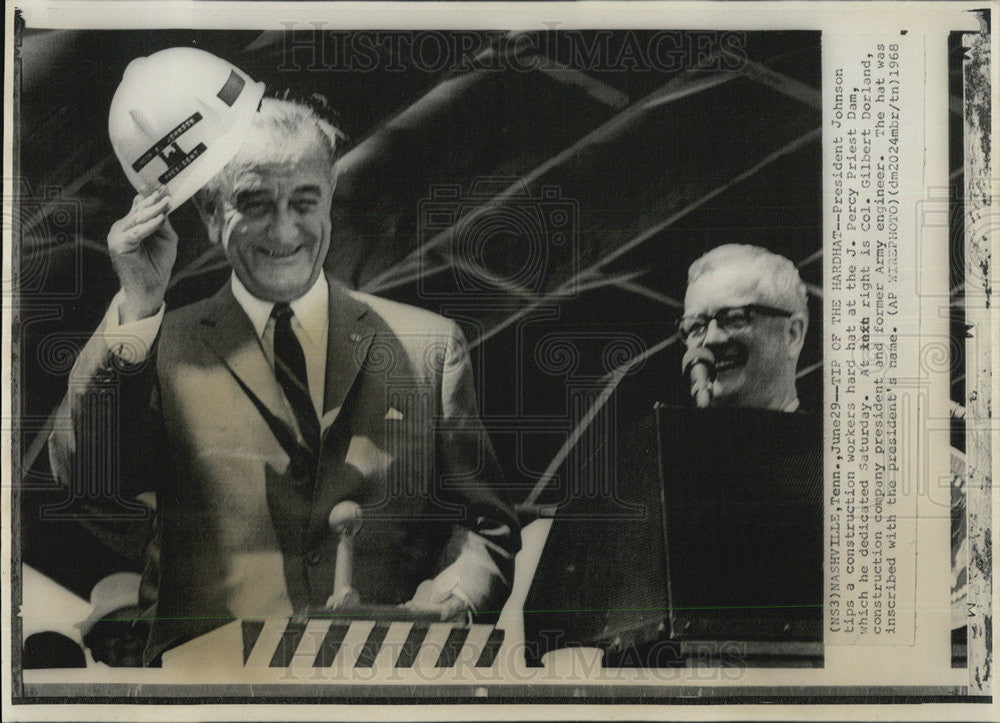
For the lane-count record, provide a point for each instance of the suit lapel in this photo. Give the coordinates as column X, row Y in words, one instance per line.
column 348, row 341
column 226, row 329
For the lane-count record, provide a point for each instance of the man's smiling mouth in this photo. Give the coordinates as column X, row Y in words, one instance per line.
column 730, row 356
column 279, row 253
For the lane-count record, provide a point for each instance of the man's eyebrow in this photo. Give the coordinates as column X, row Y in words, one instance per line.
column 249, row 192
column 312, row 188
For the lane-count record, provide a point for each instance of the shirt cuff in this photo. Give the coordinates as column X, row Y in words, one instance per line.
column 131, row 342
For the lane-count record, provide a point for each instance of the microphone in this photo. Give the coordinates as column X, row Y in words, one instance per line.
column 345, row 522
column 699, row 365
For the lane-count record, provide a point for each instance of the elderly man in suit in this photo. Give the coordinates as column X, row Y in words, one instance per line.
column 254, row 412
column 731, row 539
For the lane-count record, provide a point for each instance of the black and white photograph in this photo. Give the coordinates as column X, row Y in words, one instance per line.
column 508, row 361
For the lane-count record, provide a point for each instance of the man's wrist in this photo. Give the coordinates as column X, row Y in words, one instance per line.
column 132, row 308
column 131, row 340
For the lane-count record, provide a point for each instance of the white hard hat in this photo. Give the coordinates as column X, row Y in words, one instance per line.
column 178, row 117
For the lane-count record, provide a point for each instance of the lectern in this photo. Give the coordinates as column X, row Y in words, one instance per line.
column 726, row 545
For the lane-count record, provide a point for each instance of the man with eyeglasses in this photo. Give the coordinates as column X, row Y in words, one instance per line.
column 743, row 482
column 747, row 306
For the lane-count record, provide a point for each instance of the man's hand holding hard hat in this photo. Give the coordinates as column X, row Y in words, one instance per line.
column 143, row 248
column 177, row 118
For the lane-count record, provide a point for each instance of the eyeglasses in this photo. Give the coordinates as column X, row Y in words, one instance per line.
column 728, row 318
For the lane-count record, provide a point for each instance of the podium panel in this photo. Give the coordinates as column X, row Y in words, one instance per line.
column 727, row 546
column 743, row 522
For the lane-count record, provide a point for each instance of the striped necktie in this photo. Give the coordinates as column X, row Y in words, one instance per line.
column 290, row 368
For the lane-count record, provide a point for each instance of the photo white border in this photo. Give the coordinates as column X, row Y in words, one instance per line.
column 828, row 17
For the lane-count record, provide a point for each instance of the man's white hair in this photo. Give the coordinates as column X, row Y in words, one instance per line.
column 778, row 281
column 283, row 121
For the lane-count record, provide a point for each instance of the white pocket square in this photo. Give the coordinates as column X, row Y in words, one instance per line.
column 393, row 413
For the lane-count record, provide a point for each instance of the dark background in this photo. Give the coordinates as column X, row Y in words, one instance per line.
column 547, row 190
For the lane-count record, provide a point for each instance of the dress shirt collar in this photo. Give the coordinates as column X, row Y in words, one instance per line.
column 792, row 406
column 310, row 309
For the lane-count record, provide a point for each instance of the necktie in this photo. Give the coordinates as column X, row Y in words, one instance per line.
column 290, row 368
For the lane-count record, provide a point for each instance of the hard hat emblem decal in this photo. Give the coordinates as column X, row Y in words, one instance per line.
column 170, row 153
column 232, row 89
column 177, row 160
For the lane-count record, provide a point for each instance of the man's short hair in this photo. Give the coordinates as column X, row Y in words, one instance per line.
column 778, row 281
column 283, row 121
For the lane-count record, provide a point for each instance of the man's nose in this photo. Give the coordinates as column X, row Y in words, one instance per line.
column 714, row 334
column 283, row 229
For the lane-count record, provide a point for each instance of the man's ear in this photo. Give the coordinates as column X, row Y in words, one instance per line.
column 796, row 334
column 208, row 211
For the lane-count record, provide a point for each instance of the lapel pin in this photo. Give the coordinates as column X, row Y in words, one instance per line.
column 355, row 337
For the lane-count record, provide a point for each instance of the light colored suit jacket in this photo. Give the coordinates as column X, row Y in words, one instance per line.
column 243, row 525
